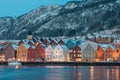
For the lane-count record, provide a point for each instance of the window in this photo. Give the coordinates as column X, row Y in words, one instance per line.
column 23, row 55
column 117, row 51
column 47, row 56
column 74, row 55
column 78, row 55
column 50, row 55
column 74, row 51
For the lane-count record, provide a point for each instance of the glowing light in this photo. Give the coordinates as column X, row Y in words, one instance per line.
column 17, row 66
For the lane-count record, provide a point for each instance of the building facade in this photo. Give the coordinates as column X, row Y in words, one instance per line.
column 75, row 55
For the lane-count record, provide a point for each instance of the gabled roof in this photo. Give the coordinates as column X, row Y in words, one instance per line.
column 105, row 46
column 14, row 46
column 78, row 47
column 21, row 41
column 43, row 45
column 25, row 41
column 50, row 46
column 92, row 44
column 64, row 47
column 33, row 47
column 27, row 46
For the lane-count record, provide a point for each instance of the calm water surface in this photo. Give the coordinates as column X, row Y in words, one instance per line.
column 60, row 73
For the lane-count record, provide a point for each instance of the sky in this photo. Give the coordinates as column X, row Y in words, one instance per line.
column 16, row 8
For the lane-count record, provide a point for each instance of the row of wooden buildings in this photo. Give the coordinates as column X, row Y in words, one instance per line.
column 63, row 51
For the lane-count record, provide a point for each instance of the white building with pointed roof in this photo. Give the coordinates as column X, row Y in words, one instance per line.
column 57, row 53
column 49, row 53
column 88, row 51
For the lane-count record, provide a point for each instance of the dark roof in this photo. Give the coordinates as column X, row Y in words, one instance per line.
column 29, row 32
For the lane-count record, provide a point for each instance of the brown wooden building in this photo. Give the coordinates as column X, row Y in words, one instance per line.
column 10, row 52
column 75, row 55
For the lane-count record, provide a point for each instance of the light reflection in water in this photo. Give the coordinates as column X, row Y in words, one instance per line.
column 61, row 73
column 108, row 74
column 92, row 72
column 117, row 73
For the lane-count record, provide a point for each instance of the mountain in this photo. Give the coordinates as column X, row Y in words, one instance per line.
column 73, row 18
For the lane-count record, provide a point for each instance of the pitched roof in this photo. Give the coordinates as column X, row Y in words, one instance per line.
column 105, row 46
column 93, row 45
column 14, row 46
column 27, row 46
column 64, row 47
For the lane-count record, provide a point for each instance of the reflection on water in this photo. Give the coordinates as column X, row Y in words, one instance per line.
column 60, row 73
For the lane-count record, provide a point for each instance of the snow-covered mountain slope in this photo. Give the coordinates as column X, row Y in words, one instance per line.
column 73, row 18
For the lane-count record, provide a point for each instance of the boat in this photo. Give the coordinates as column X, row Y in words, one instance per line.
column 16, row 63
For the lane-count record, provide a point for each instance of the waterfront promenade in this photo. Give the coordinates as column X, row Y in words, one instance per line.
column 67, row 63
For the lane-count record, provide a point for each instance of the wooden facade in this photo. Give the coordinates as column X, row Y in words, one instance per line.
column 31, row 54
column 9, row 53
column 108, row 54
column 75, row 55
column 39, row 53
column 89, row 53
column 99, row 54
column 22, row 53
column 116, row 53
column 49, row 54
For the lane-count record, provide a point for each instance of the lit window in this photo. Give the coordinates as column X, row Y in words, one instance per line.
column 74, row 55
column 74, row 51
column 78, row 55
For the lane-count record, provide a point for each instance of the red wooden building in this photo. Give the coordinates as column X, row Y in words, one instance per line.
column 31, row 54
column 39, row 53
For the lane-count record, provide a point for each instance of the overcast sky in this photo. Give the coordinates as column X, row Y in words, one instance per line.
column 16, row 8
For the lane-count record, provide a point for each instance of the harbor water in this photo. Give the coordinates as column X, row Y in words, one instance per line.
column 60, row 73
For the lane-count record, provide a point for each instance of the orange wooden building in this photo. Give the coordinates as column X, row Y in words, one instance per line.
column 99, row 54
column 116, row 54
column 108, row 54
column 22, row 52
